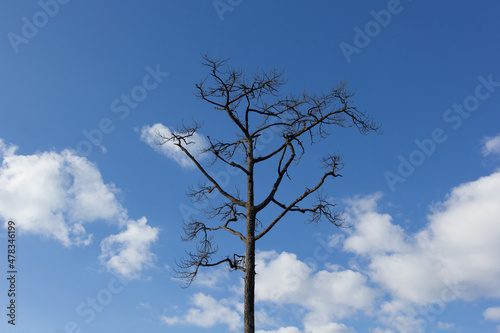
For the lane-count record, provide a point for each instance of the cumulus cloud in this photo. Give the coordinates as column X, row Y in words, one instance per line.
column 403, row 280
column 149, row 136
column 453, row 257
column 128, row 252
column 329, row 328
column 375, row 233
column 492, row 313
column 56, row 195
column 289, row 329
column 459, row 243
column 326, row 295
column 207, row 313
column 491, row 145
column 282, row 279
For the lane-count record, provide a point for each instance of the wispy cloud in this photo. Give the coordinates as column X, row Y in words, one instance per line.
column 128, row 252
column 491, row 145
column 445, row 326
column 211, row 278
column 149, row 136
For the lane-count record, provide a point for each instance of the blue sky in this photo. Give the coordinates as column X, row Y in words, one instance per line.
column 99, row 208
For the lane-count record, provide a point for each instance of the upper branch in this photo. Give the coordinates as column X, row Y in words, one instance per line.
column 314, row 115
column 180, row 139
column 231, row 88
column 225, row 151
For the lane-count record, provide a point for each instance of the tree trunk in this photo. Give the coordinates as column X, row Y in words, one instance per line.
column 249, row 318
column 250, row 281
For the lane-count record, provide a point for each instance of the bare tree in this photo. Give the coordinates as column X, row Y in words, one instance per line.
column 253, row 107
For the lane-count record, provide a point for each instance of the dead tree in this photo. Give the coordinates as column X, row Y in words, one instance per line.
column 254, row 106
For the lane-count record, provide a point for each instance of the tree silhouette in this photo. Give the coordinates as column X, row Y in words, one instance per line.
column 254, row 106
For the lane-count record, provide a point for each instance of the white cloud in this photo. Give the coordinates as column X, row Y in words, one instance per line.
column 7, row 149
column 211, row 278
column 444, row 326
column 207, row 313
column 459, row 244
column 128, row 252
column 283, row 279
column 491, row 145
column 264, row 317
column 463, row 236
column 380, row 330
column 149, row 135
column 328, row 328
column 289, row 329
column 56, row 195
column 402, row 316
column 492, row 313
column 375, row 233
column 143, row 306
column 453, row 257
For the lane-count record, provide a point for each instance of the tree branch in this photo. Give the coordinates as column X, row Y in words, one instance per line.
column 182, row 137
column 281, row 173
column 330, row 161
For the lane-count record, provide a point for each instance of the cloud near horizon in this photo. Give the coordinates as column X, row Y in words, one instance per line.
column 399, row 278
